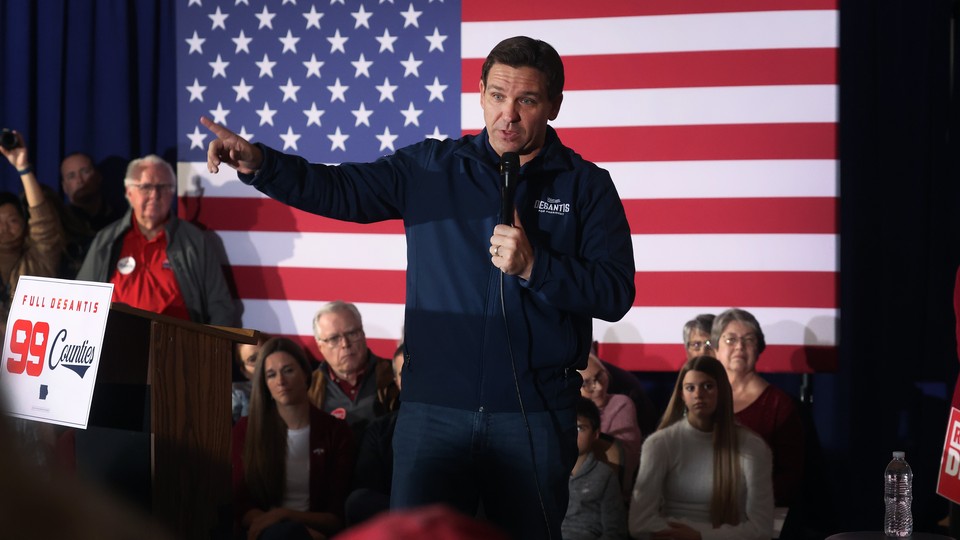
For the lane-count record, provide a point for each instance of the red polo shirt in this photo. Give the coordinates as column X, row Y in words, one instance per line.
column 143, row 277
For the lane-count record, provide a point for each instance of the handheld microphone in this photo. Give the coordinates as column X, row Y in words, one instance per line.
column 510, row 174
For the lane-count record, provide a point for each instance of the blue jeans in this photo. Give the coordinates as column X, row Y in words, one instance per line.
column 465, row 458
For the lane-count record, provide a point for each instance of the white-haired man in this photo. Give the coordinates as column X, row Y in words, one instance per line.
column 156, row 261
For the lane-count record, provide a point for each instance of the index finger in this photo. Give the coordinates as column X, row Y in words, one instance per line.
column 218, row 130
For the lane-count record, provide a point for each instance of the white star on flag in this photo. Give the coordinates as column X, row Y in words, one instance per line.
column 289, row 139
column 313, row 66
column 386, row 139
column 436, row 40
column 313, row 114
column 313, row 18
column 289, row 90
column 338, row 140
column 363, row 115
column 411, row 66
column 242, row 42
column 411, row 115
column 220, row 114
column 196, row 91
column 219, row 19
column 266, row 18
column 289, row 43
column 196, row 138
column 243, row 91
column 266, row 114
column 196, row 43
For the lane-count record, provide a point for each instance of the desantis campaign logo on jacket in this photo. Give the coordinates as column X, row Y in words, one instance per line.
column 552, row 206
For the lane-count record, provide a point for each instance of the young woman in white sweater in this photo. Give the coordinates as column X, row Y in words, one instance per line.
column 701, row 475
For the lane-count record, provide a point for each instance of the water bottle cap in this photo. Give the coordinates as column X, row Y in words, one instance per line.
column 899, row 454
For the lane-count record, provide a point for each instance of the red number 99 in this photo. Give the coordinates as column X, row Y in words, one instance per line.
column 35, row 345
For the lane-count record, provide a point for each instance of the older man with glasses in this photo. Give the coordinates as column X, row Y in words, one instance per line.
column 155, row 261
column 363, row 386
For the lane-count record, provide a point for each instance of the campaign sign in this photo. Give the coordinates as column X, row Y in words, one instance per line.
column 52, row 348
column 949, row 483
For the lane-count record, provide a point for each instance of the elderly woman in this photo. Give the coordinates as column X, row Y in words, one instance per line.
column 291, row 461
column 701, row 475
column 757, row 404
column 618, row 414
column 696, row 335
column 27, row 247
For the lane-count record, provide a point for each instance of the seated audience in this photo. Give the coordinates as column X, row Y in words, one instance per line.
column 362, row 383
column 373, row 473
column 87, row 211
column 31, row 239
column 618, row 416
column 595, row 508
column 696, row 336
column 757, row 404
column 701, row 475
column 291, row 461
column 156, row 261
column 245, row 361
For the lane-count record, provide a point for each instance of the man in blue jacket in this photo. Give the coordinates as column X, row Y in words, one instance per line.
column 498, row 317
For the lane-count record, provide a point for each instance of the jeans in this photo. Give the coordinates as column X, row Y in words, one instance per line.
column 468, row 458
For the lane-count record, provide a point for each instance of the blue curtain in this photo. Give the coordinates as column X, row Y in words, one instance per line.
column 94, row 76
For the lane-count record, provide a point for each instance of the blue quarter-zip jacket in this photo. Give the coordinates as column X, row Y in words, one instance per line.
column 448, row 195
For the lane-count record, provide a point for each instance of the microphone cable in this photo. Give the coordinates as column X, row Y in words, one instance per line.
column 523, row 412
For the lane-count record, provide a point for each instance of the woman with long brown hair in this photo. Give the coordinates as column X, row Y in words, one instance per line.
column 702, row 475
column 291, row 461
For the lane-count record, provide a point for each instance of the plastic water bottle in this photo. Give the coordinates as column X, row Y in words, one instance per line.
column 898, row 494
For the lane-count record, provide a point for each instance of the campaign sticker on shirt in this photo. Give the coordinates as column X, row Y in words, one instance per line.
column 126, row 265
column 165, row 264
column 339, row 412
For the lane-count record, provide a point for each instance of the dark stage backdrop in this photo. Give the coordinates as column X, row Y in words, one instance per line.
column 98, row 76
column 94, row 76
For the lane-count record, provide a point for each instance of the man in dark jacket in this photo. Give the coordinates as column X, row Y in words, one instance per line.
column 498, row 316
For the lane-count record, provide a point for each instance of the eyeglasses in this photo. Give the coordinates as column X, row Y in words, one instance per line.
column 697, row 346
column 159, row 189
column 748, row 340
column 587, row 383
column 337, row 339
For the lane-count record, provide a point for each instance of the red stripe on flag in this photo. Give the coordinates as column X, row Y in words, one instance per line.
column 757, row 289
column 800, row 215
column 375, row 286
column 509, row 10
column 670, row 357
column 259, row 214
column 704, row 142
column 687, row 69
column 661, row 289
column 646, row 216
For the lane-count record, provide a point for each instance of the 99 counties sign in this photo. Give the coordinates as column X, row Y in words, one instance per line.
column 51, row 349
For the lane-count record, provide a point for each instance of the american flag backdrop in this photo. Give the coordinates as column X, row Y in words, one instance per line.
column 716, row 118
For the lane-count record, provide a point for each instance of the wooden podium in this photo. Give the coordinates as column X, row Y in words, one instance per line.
column 159, row 427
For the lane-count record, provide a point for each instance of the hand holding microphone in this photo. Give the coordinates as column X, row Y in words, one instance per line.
column 510, row 250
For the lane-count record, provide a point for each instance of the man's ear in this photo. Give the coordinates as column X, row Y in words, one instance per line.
column 555, row 107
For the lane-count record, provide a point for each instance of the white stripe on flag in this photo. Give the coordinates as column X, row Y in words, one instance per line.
column 674, row 252
column 781, row 326
column 634, row 180
column 683, row 106
column 663, row 33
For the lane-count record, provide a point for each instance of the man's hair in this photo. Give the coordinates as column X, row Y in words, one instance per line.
column 522, row 51
column 337, row 306
column 589, row 410
column 136, row 167
column 702, row 322
column 77, row 154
